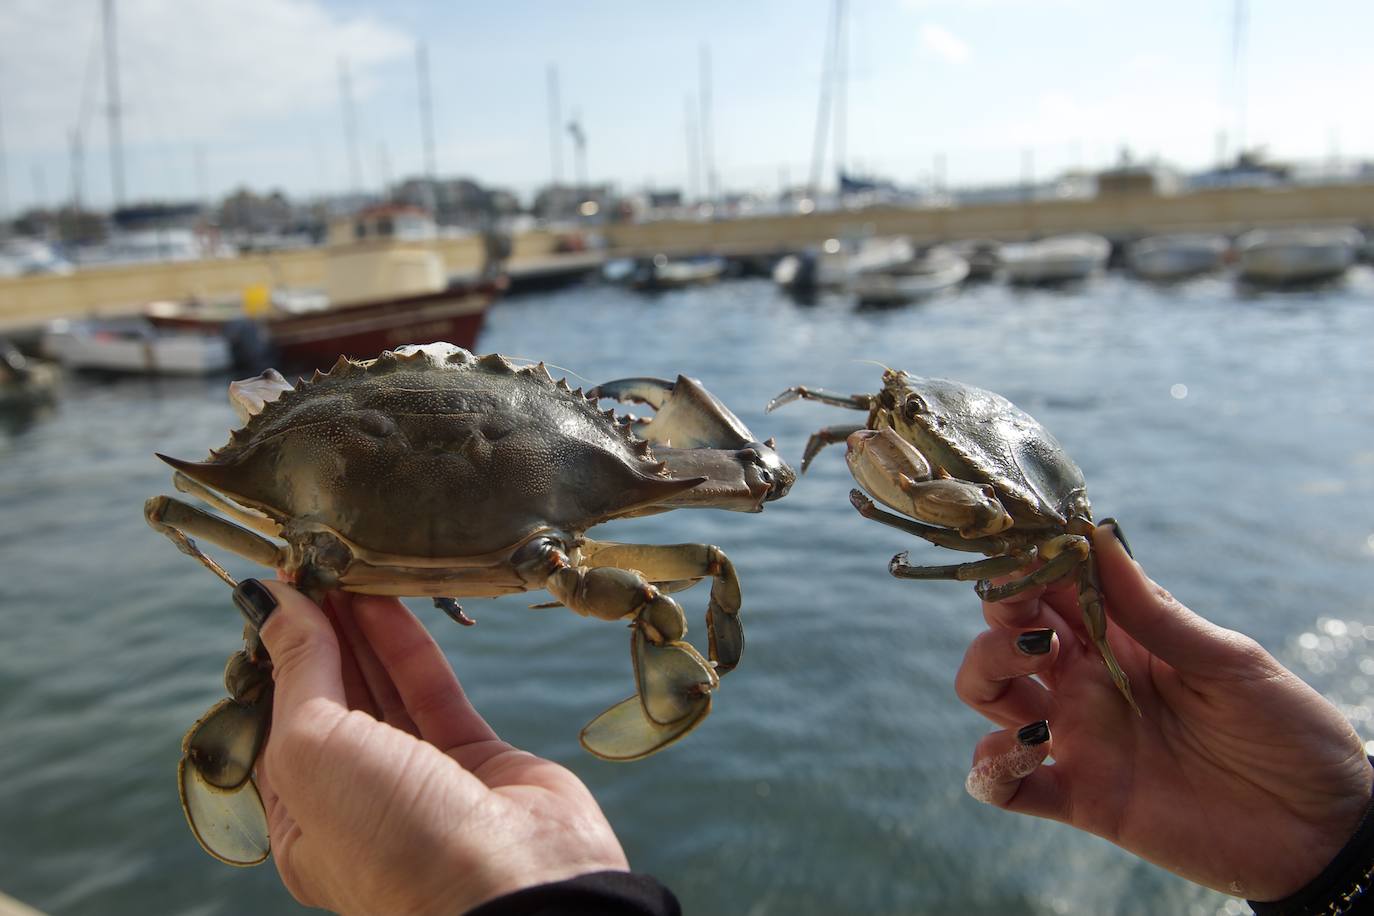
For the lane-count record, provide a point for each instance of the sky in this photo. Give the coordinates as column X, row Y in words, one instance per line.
column 219, row 94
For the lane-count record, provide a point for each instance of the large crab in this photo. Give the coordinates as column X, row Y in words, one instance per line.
column 431, row 472
column 978, row 474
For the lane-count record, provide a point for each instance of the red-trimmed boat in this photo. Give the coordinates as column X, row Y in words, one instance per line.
column 378, row 295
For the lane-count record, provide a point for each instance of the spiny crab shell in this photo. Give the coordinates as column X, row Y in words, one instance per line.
column 429, row 471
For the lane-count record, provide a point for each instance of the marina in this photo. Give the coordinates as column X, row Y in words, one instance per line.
column 1130, row 250
column 830, row 776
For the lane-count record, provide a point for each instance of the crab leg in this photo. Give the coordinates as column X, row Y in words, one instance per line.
column 943, row 537
column 801, row 392
column 686, row 562
column 1061, row 554
column 826, row 435
column 1095, row 619
column 259, row 523
column 977, row 569
column 178, row 520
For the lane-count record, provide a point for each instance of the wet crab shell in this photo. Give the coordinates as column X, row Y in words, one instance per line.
column 433, row 452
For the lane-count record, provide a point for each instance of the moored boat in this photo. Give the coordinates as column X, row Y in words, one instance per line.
column 1166, row 258
column 378, row 295
column 25, row 384
column 1285, row 257
column 836, row 262
column 1056, row 259
column 134, row 345
column 933, row 271
column 663, row 272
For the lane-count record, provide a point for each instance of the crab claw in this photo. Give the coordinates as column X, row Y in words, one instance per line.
column 698, row 436
column 686, row 414
column 899, row 476
column 675, row 685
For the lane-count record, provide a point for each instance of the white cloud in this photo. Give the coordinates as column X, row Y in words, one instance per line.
column 193, row 71
column 943, row 43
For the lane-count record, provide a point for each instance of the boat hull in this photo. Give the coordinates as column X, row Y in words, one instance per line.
column 317, row 339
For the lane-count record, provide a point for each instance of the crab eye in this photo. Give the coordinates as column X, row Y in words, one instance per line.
column 913, row 405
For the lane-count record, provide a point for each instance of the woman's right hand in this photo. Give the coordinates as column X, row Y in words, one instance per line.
column 1236, row 775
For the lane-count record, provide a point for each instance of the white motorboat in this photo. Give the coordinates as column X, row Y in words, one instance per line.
column 134, row 345
column 934, row 271
column 663, row 272
column 1280, row 257
column 836, row 262
column 1057, row 259
column 1165, row 258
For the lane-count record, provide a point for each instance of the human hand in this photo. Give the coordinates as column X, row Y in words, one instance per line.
column 1237, row 775
column 386, row 792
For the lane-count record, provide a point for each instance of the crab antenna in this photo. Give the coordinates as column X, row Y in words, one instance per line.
column 874, row 362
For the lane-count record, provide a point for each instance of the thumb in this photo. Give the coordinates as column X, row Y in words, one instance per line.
column 1155, row 618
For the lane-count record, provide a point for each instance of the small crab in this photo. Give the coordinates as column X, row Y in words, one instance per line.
column 978, row 474
column 431, row 472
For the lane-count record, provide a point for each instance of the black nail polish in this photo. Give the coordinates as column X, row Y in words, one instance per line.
column 1033, row 734
column 255, row 602
column 1035, row 642
column 1116, row 530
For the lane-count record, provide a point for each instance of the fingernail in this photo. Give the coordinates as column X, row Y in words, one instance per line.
column 1035, row 642
column 255, row 602
column 1116, row 530
column 1033, row 734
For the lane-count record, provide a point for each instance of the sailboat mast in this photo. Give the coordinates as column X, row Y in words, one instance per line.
column 841, row 77
column 4, row 178
column 426, row 109
column 823, row 109
column 355, row 167
column 708, row 157
column 112, row 109
column 555, row 128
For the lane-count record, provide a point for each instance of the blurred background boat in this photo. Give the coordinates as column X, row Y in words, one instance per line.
column 1057, row 259
column 379, row 293
column 984, row 257
column 934, row 270
column 1283, row 257
column 25, row 383
column 663, row 272
column 134, row 345
column 832, row 265
column 1166, row 258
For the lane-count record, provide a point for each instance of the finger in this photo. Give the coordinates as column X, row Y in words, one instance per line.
column 356, row 692
column 1155, row 618
column 994, row 677
column 375, row 676
column 424, row 679
column 305, row 653
column 1007, row 772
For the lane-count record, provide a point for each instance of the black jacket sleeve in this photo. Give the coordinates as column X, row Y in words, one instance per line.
column 1344, row 887
column 603, row 893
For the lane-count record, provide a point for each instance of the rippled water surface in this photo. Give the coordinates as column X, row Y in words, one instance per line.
column 1232, row 436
